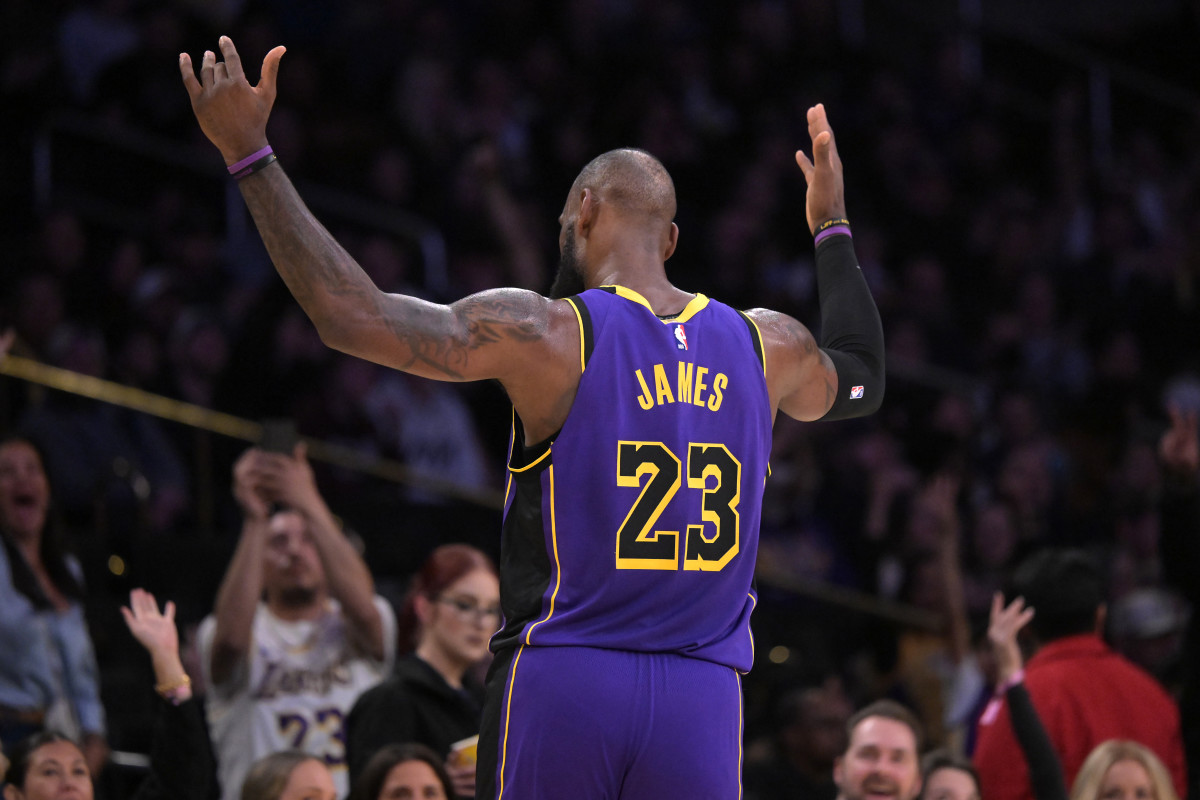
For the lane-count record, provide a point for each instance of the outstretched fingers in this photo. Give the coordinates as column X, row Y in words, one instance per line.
column 233, row 62
column 824, row 147
column 188, row 73
column 270, row 71
column 806, row 166
column 207, row 66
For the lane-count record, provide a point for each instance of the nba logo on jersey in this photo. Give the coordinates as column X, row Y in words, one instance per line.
column 856, row 392
column 680, row 337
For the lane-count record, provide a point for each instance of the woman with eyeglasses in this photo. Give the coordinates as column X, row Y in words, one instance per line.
column 451, row 611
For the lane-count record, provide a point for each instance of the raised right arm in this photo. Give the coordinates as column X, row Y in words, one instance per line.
column 497, row 334
column 241, row 588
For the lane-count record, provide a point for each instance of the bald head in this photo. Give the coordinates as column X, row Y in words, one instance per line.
column 631, row 180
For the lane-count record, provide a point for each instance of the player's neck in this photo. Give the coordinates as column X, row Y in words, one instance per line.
column 650, row 281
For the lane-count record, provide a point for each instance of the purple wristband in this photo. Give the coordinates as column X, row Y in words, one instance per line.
column 250, row 159
column 843, row 230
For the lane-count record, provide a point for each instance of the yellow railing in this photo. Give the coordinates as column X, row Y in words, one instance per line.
column 218, row 422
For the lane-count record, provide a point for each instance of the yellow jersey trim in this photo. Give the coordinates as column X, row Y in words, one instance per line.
column 512, row 679
column 531, row 464
column 761, row 349
column 557, row 565
column 693, row 307
column 582, row 340
column 741, row 731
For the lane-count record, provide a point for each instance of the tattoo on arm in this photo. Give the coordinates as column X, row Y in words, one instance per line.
column 446, row 345
column 308, row 258
column 337, row 294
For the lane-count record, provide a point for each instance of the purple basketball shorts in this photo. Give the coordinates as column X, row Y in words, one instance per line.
column 592, row 724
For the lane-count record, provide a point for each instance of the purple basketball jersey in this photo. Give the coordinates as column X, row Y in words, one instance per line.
column 636, row 527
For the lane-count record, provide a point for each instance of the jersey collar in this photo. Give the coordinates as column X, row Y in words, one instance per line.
column 690, row 310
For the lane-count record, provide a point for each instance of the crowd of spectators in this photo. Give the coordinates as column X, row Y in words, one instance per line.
column 1040, row 294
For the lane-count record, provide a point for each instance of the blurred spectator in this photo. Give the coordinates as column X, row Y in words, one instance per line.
column 288, row 775
column 1123, row 769
column 402, row 771
column 181, row 760
column 1147, row 627
column 811, row 735
column 102, row 452
column 1083, row 691
column 284, row 673
column 429, row 426
column 47, row 766
column 881, row 755
column 435, row 697
column 1114, row 769
column 945, row 776
column 48, row 676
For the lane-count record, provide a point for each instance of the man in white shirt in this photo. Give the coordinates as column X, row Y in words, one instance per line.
column 297, row 633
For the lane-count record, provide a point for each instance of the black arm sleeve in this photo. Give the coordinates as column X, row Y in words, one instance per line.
column 1045, row 772
column 851, row 331
column 182, row 766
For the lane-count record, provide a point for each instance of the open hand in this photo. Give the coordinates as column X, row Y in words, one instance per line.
column 1003, row 626
column 232, row 113
column 826, row 190
column 154, row 630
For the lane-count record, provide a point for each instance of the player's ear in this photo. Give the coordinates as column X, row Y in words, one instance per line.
column 838, row 772
column 587, row 211
column 672, row 241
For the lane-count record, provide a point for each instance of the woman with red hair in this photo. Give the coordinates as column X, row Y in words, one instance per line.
column 451, row 611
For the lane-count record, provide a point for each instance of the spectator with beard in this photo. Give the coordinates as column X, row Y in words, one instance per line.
column 881, row 758
column 284, row 672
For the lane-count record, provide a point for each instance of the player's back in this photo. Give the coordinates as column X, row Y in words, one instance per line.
column 637, row 527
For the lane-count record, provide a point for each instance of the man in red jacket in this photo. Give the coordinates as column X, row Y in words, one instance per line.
column 1084, row 692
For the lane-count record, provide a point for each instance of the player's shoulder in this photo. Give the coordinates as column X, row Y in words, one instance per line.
column 778, row 328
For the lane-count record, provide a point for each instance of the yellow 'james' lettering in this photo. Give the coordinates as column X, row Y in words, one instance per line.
column 662, row 386
column 645, row 400
column 719, row 383
column 684, row 390
column 698, row 392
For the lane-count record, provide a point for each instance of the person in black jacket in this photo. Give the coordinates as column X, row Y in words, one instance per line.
column 433, row 698
column 50, row 764
column 182, row 766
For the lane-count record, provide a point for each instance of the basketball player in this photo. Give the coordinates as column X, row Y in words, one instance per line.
column 642, row 425
column 283, row 674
